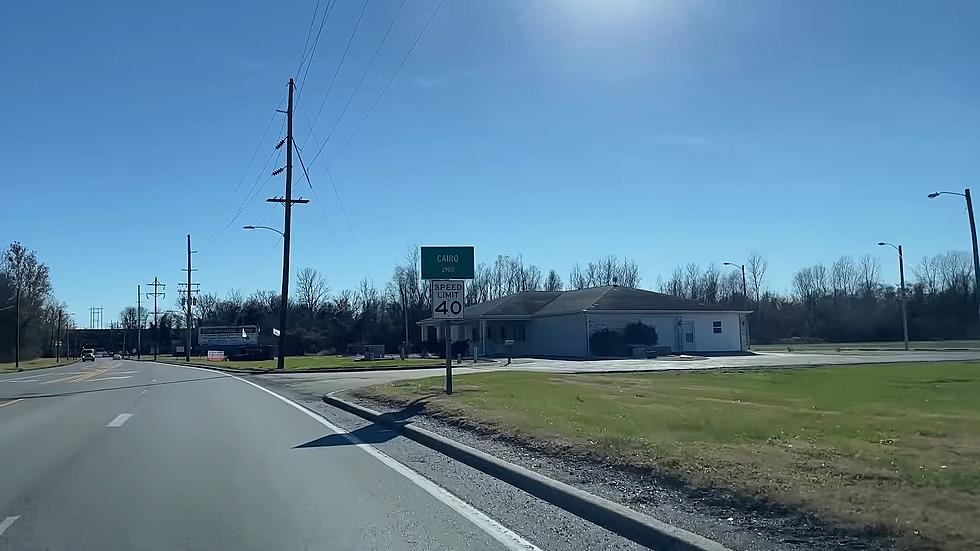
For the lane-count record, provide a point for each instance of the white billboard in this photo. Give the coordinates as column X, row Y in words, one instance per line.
column 228, row 335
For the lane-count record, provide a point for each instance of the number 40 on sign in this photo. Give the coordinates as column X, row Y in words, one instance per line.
column 447, row 299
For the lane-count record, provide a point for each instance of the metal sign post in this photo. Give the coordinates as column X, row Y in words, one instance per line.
column 448, row 298
column 448, row 304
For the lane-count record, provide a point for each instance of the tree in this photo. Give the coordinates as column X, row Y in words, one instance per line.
column 311, row 289
column 756, row 265
column 553, row 281
column 576, row 279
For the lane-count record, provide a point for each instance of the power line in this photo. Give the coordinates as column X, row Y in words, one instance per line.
column 386, row 86
column 249, row 195
column 257, row 147
column 309, row 63
column 359, row 82
column 333, row 79
column 324, row 213
column 309, row 33
column 342, row 209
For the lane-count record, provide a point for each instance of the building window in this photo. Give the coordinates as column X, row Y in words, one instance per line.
column 473, row 333
column 716, row 326
column 520, row 333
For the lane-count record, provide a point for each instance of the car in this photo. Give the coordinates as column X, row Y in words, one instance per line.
column 117, row 356
column 88, row 354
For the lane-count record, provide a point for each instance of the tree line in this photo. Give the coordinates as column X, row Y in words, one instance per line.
column 844, row 301
column 39, row 309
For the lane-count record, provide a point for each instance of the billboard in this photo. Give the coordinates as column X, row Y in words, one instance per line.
column 228, row 335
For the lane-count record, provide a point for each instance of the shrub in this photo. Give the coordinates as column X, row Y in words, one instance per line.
column 606, row 342
column 640, row 333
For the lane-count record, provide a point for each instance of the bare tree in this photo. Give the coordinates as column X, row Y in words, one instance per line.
column 553, row 281
column 311, row 289
column 756, row 265
column 927, row 274
column 692, row 281
column 843, row 278
column 868, row 274
column 629, row 273
column 577, row 279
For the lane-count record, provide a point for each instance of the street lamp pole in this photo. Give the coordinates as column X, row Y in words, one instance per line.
column 973, row 238
column 745, row 303
column 904, row 299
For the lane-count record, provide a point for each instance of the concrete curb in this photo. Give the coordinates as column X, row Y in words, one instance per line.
column 217, row 367
column 642, row 529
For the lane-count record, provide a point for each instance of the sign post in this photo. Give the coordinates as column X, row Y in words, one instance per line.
column 448, row 304
column 448, row 299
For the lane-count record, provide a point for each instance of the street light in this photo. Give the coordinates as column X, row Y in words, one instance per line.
column 973, row 237
column 263, row 228
column 745, row 295
column 901, row 274
column 745, row 301
column 283, row 301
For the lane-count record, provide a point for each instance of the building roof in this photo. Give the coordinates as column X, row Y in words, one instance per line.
column 610, row 298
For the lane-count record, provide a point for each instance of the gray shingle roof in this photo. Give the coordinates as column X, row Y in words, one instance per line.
column 553, row 303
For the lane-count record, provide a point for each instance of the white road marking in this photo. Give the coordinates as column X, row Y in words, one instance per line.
column 110, row 378
column 505, row 536
column 7, row 522
column 119, row 420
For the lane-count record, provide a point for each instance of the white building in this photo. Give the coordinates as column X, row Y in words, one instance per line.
column 559, row 323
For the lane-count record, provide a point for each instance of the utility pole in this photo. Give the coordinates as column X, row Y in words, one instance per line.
column 17, row 330
column 287, row 202
column 156, row 323
column 905, row 314
column 976, row 255
column 189, row 301
column 57, row 348
column 139, row 325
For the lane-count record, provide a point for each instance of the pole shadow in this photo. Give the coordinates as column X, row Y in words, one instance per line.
column 376, row 433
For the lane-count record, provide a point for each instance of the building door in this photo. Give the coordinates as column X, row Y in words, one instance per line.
column 686, row 335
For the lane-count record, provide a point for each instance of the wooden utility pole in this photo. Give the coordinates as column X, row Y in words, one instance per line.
column 288, row 203
column 189, row 301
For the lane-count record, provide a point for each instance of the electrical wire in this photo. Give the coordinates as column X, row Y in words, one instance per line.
column 340, row 65
column 248, row 197
column 386, row 86
column 367, row 69
column 309, row 33
column 319, row 203
column 309, row 63
column 258, row 146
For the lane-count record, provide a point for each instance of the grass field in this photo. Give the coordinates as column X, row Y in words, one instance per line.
column 33, row 364
column 894, row 446
column 300, row 363
column 890, row 345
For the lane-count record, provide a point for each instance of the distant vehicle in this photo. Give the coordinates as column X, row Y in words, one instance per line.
column 88, row 354
column 117, row 356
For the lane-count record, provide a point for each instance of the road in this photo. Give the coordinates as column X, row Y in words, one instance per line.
column 120, row 455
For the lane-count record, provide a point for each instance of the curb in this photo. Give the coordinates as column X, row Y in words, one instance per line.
column 638, row 527
column 217, row 367
column 40, row 368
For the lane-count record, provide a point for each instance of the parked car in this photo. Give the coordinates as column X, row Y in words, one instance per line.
column 88, row 354
column 117, row 356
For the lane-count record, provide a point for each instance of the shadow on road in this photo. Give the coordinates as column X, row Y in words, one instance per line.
column 375, row 433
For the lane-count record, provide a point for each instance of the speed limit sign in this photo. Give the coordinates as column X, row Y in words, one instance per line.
column 447, row 299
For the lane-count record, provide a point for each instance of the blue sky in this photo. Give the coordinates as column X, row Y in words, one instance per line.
column 666, row 131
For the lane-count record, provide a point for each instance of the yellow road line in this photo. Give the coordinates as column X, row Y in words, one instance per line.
column 10, row 402
column 90, row 374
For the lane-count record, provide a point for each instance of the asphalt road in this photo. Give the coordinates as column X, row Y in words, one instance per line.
column 136, row 455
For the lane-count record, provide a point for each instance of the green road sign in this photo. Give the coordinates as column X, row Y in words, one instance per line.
column 447, row 263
